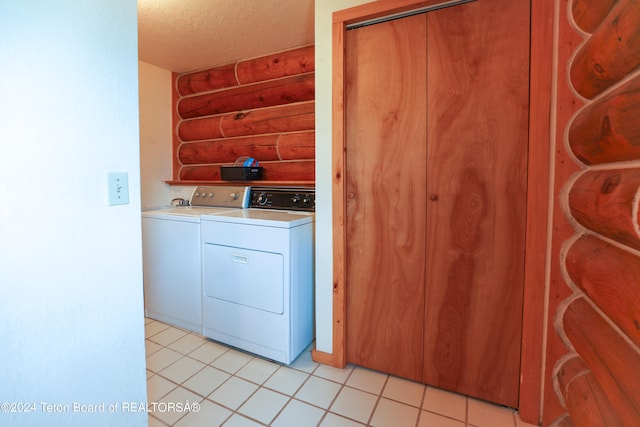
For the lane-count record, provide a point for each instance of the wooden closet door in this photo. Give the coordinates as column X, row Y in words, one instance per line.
column 385, row 186
column 478, row 72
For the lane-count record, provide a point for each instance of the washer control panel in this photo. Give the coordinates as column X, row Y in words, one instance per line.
column 220, row 196
column 284, row 198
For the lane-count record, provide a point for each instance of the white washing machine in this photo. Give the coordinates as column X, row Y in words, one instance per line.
column 172, row 255
column 258, row 274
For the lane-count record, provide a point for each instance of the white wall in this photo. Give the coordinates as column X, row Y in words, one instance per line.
column 156, row 138
column 71, row 300
column 324, row 254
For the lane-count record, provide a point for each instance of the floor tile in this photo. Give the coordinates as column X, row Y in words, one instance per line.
column 257, row 370
column 153, row 327
column 208, row 352
column 168, row 336
column 161, row 359
column 483, row 414
column 445, row 403
column 209, row 415
column 154, row 422
column 334, row 374
column 318, row 391
column 298, row 414
column 264, row 405
column 429, row 419
column 231, row 361
column 238, row 420
column 304, row 363
column 158, row 387
column 333, row 420
column 206, row 381
column 233, row 393
column 355, row 404
column 389, row 413
column 182, row 369
column 151, row 347
column 163, row 409
column 367, row 380
column 286, row 380
column 404, row 391
column 187, row 343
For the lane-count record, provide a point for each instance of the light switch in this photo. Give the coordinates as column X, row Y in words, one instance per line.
column 118, row 188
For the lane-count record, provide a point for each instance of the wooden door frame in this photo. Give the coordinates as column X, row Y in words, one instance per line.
column 538, row 180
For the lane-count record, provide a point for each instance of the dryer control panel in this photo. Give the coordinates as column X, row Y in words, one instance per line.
column 284, row 198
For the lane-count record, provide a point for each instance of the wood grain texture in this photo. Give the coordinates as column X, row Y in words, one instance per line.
column 297, row 146
column 282, row 64
column 588, row 14
column 478, row 131
column 385, row 184
column 207, row 80
column 295, row 171
column 286, row 90
column 609, row 130
column 613, row 362
column 227, row 150
column 279, row 119
column 604, row 201
column 261, row 107
column 610, row 277
column 612, row 52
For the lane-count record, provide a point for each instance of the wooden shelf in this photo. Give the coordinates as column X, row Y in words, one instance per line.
column 248, row 183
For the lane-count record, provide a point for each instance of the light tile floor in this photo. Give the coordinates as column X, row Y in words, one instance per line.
column 236, row 389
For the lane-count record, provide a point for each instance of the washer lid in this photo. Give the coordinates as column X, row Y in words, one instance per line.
column 183, row 213
column 266, row 218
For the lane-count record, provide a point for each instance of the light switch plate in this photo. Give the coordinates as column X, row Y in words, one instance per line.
column 118, row 188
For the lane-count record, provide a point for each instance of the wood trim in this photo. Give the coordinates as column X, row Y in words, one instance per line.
column 542, row 15
column 538, row 191
column 338, row 357
column 175, row 120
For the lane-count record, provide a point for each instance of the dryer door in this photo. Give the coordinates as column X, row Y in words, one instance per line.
column 244, row 276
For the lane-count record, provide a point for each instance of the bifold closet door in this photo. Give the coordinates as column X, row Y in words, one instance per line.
column 385, row 190
column 478, row 103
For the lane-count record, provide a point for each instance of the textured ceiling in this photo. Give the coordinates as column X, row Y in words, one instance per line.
column 188, row 35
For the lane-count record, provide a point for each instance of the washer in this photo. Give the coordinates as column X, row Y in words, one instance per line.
column 258, row 274
column 172, row 255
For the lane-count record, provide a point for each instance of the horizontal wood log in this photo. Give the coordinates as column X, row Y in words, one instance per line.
column 298, row 170
column 611, row 359
column 612, row 52
column 609, row 130
column 588, row 14
column 303, row 170
column 610, row 277
column 288, row 63
column 198, row 129
column 227, row 150
column 297, row 146
column 569, row 370
column 207, row 80
column 263, row 94
column 285, row 118
column 604, row 201
column 588, row 405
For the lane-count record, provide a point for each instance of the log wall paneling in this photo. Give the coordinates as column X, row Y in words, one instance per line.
column 588, row 14
column 609, row 367
column 610, row 277
column 263, row 94
column 608, row 131
column 584, row 397
column 604, row 201
column 599, row 321
column 611, row 53
column 262, row 108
